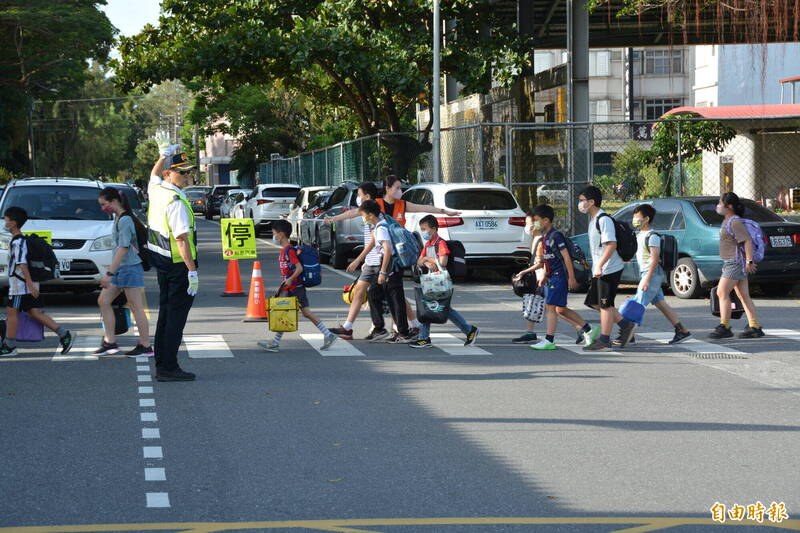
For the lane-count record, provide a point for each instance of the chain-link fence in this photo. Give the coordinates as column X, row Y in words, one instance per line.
column 756, row 157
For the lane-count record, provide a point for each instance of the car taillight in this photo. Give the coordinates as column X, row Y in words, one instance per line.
column 449, row 222
column 766, row 240
column 517, row 221
column 796, row 238
column 262, row 202
column 316, row 212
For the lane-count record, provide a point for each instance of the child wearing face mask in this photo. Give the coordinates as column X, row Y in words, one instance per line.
column 435, row 248
column 650, row 271
column 535, row 230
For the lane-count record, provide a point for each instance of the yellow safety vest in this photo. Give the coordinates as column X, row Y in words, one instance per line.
column 161, row 240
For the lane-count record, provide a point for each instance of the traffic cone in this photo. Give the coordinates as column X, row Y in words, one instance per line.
column 256, row 302
column 233, row 283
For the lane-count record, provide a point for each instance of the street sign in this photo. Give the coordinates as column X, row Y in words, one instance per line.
column 238, row 238
column 47, row 235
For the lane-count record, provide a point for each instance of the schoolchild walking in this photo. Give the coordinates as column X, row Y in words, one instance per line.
column 535, row 265
column 291, row 269
column 559, row 278
column 607, row 268
column 651, row 275
column 435, row 253
column 23, row 292
column 736, row 249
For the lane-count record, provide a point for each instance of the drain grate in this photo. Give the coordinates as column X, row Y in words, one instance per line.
column 716, row 355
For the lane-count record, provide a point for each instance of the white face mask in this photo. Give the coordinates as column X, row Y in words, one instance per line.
column 528, row 229
column 397, row 194
column 720, row 211
column 582, row 207
column 358, row 201
column 276, row 240
column 364, row 218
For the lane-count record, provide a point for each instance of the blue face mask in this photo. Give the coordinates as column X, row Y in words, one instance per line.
column 276, row 240
column 426, row 235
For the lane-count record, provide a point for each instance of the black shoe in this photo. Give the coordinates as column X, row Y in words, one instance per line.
column 472, row 336
column 391, row 339
column 413, row 333
column 618, row 340
column 721, row 332
column 526, row 339
column 626, row 334
column 581, row 339
column 8, row 351
column 751, row 333
column 106, row 349
column 67, row 341
column 141, row 350
column 376, row 335
column 174, row 375
column 421, row 343
column 680, row 336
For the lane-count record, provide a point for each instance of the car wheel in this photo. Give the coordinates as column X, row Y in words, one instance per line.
column 684, row 280
column 775, row 289
column 338, row 257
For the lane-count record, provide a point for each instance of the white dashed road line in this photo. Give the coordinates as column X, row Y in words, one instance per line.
column 340, row 348
column 153, row 455
column 452, row 345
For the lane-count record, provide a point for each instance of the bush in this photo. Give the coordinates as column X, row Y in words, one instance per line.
column 6, row 176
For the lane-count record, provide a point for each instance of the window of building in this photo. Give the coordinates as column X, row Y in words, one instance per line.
column 599, row 110
column 599, row 63
column 655, row 109
column 663, row 61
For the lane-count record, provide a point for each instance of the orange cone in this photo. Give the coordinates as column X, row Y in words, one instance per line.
column 233, row 283
column 256, row 302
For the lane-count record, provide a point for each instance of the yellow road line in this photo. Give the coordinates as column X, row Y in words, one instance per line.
column 348, row 525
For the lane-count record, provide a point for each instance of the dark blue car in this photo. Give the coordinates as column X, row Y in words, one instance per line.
column 695, row 224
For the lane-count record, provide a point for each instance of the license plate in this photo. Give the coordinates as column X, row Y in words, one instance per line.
column 780, row 241
column 486, row 223
column 64, row 264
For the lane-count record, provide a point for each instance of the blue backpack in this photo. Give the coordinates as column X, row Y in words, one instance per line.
column 405, row 245
column 312, row 270
column 756, row 237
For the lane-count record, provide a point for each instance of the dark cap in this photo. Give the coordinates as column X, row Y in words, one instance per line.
column 179, row 162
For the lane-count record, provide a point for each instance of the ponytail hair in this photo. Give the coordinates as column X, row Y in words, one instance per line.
column 732, row 199
column 112, row 193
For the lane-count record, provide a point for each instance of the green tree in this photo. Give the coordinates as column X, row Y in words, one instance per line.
column 371, row 56
column 44, row 47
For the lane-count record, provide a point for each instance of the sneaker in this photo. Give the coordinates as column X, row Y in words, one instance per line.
column 680, row 336
column 544, row 344
column 391, row 339
column 421, row 343
column 525, row 339
column 472, row 336
column 147, row 351
column 590, row 336
column 403, row 339
column 67, row 341
column 329, row 339
column 597, row 346
column 270, row 346
column 375, row 335
column 751, row 333
column 626, row 333
column 580, row 338
column 106, row 349
column 413, row 333
column 346, row 334
column 618, row 340
column 8, row 351
column 721, row 332
column 174, row 375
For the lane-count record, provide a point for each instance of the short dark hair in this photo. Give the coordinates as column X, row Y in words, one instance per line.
column 430, row 221
column 544, row 211
column 369, row 188
column 593, row 193
column 646, row 210
column 390, row 180
column 283, row 226
column 17, row 214
column 370, row 207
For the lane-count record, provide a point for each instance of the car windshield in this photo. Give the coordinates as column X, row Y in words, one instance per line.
column 479, row 200
column 56, row 202
column 195, row 195
column 133, row 198
column 279, row 192
column 222, row 190
column 708, row 211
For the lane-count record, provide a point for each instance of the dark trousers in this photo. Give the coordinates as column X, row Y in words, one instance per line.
column 174, row 304
column 391, row 290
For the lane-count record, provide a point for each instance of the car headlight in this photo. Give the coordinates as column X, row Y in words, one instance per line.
column 101, row 244
column 5, row 241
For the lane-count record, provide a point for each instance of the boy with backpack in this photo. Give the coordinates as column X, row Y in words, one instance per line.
column 558, row 279
column 435, row 249
column 291, row 271
column 607, row 265
column 648, row 255
column 23, row 290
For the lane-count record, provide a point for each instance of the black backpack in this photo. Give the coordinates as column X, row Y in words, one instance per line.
column 575, row 251
column 626, row 238
column 457, row 264
column 668, row 256
column 42, row 261
column 142, row 237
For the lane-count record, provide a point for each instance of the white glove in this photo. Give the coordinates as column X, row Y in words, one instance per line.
column 164, row 147
column 194, row 283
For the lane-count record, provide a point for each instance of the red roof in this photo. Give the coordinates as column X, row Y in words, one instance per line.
column 739, row 111
column 787, row 80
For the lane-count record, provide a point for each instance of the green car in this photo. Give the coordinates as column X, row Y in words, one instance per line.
column 695, row 224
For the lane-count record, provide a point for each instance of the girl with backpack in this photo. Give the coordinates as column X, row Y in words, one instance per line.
column 737, row 251
column 125, row 274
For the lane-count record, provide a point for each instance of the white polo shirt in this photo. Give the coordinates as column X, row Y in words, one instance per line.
column 177, row 215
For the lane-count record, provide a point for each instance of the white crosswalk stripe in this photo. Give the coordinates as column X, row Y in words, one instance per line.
column 452, row 345
column 81, row 350
column 578, row 349
column 340, row 348
column 690, row 345
column 791, row 334
column 207, row 347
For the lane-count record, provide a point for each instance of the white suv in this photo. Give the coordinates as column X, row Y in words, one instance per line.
column 80, row 231
column 270, row 202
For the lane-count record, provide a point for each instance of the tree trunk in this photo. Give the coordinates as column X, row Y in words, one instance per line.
column 405, row 150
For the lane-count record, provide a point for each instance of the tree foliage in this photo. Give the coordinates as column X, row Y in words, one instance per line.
column 371, row 56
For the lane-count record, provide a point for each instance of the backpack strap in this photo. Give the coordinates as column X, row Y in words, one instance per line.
column 597, row 224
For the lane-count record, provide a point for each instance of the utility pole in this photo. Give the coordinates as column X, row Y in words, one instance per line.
column 196, row 139
column 437, row 133
column 31, row 145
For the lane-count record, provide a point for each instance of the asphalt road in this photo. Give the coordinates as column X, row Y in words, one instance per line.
column 377, row 437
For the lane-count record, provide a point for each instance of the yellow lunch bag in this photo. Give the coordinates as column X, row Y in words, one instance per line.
column 283, row 313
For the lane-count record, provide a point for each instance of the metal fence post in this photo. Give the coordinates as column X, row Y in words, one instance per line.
column 509, row 156
column 380, row 163
column 480, row 153
column 679, row 188
column 341, row 161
